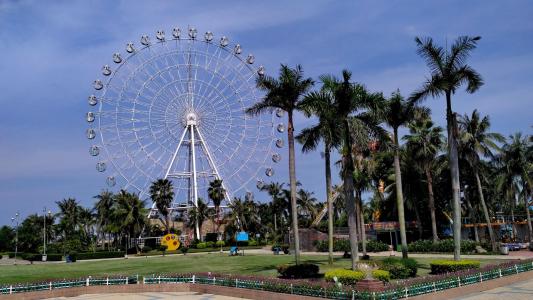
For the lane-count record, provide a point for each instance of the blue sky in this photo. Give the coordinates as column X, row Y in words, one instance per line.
column 51, row 51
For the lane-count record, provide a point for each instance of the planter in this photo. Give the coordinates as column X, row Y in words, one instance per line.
column 504, row 250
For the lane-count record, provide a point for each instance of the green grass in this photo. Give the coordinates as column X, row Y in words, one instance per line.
column 264, row 265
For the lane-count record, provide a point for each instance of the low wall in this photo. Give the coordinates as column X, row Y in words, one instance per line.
column 145, row 288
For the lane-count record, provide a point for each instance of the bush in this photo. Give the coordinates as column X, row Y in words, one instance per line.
column 146, row 249
column 211, row 237
column 345, row 276
column 344, row 246
column 201, row 245
column 1, row 256
column 31, row 256
column 441, row 246
column 73, row 255
column 209, row 244
column 446, row 266
column 381, row 275
column 132, row 250
column 98, row 255
column 305, row 270
column 253, row 243
column 54, row 257
column 184, row 250
column 220, row 244
column 400, row 268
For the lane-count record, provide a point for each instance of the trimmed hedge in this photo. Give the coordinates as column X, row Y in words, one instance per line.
column 305, row 270
column 220, row 244
column 54, row 257
column 344, row 276
column 447, row 266
column 201, row 245
column 344, row 246
column 425, row 246
column 99, row 255
column 381, row 275
column 400, row 268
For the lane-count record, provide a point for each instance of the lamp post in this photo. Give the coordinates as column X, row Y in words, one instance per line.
column 13, row 220
column 44, row 258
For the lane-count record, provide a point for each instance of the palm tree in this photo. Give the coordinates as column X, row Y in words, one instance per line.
column 320, row 104
column 448, row 72
column 398, row 113
column 130, row 214
column 198, row 214
column 69, row 216
column 307, row 204
column 162, row 194
column 285, row 93
column 424, row 141
column 355, row 107
column 474, row 141
column 216, row 193
column 104, row 209
column 517, row 168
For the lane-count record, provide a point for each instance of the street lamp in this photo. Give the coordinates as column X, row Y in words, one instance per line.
column 13, row 220
column 44, row 232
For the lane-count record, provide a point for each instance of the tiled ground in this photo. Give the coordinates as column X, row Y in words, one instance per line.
column 149, row 296
column 517, row 291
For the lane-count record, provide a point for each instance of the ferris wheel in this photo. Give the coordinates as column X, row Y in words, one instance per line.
column 174, row 107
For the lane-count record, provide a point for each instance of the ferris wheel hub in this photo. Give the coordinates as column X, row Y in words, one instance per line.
column 192, row 119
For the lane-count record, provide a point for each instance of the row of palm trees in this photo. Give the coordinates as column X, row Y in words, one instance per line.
column 352, row 120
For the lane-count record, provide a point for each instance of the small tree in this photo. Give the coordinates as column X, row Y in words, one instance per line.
column 163, row 249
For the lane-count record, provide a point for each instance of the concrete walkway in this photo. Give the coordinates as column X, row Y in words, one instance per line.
column 516, row 291
column 150, row 296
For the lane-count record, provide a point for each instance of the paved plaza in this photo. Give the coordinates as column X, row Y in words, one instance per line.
column 149, row 296
column 517, row 291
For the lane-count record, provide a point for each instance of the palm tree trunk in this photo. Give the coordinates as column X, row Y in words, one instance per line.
column 472, row 219
column 485, row 212
column 399, row 194
column 454, row 173
column 330, row 203
column 362, row 230
column 292, row 177
column 418, row 221
column 348, row 168
column 431, row 205
column 529, row 228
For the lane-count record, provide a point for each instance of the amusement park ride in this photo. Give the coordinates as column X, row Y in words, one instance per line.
column 174, row 107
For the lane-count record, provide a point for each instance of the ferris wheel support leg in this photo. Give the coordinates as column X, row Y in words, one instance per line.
column 212, row 163
column 194, row 177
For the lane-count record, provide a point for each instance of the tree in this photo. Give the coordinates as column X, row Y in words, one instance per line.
column 516, row 168
column 69, row 212
column 398, row 113
column 216, row 193
column 355, row 107
column 198, row 215
column 130, row 213
column 162, row 194
column 7, row 236
column 285, row 93
column 424, row 141
column 475, row 140
column 448, row 72
column 104, row 210
column 320, row 104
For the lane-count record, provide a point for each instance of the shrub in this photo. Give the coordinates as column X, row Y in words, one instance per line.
column 344, row 246
column 201, row 245
column 220, row 244
column 345, row 276
column 400, row 268
column 99, row 255
column 184, row 250
column 31, row 256
column 381, row 275
column 73, row 255
column 421, row 246
column 146, row 249
column 376, row 246
column 210, row 244
column 441, row 246
column 253, row 243
column 54, row 257
column 446, row 266
column 305, row 270
column 163, row 248
column 1, row 256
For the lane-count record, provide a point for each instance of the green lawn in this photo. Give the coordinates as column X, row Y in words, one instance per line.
column 222, row 263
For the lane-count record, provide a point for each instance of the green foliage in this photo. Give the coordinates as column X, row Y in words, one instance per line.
column 7, row 235
column 220, row 244
column 184, row 250
column 54, row 257
column 343, row 245
column 253, row 243
column 305, row 270
column 210, row 244
column 99, row 255
column 146, row 249
column 381, row 275
column 446, row 266
column 201, row 245
column 344, row 276
column 163, row 248
column 425, row 246
column 400, row 268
